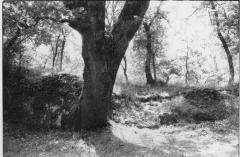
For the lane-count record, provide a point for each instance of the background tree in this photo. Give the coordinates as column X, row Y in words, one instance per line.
column 226, row 26
column 149, row 38
column 57, row 48
column 190, row 67
column 55, row 51
column 124, row 67
column 168, row 69
column 64, row 34
column 27, row 24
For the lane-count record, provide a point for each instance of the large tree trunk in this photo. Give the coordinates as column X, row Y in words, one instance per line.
column 102, row 56
column 98, row 85
column 148, row 73
column 225, row 46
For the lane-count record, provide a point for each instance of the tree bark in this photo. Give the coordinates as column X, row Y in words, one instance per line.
column 225, row 46
column 102, row 56
column 148, row 73
column 98, row 83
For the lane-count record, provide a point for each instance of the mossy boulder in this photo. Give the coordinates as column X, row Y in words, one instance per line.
column 201, row 105
column 44, row 102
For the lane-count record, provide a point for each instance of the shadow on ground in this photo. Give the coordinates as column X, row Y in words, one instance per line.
column 124, row 141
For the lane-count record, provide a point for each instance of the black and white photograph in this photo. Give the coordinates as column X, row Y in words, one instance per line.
column 120, row 78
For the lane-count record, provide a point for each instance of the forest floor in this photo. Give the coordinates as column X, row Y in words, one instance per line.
column 132, row 133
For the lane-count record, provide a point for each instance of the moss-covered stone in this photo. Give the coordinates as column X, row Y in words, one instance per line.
column 202, row 105
column 44, row 102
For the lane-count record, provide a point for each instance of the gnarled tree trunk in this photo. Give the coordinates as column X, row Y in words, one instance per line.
column 98, row 83
column 102, row 56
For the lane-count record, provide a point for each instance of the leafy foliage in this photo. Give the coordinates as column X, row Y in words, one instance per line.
column 228, row 17
column 27, row 25
column 154, row 20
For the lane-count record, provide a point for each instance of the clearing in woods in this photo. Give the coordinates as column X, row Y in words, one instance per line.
column 132, row 132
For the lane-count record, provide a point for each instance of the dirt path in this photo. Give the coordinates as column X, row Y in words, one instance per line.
column 209, row 139
column 125, row 141
column 182, row 141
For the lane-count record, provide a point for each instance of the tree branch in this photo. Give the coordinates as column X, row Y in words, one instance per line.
column 128, row 23
column 157, row 13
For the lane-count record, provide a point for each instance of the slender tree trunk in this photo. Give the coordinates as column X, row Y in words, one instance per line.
column 53, row 61
column 186, row 68
column 229, row 58
column 239, row 50
column 154, row 67
column 125, row 68
column 55, row 52
column 62, row 51
column 225, row 46
column 102, row 56
column 148, row 73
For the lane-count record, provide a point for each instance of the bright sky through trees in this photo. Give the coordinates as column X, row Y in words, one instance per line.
column 185, row 26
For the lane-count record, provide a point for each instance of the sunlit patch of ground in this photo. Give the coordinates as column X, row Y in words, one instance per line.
column 190, row 140
column 120, row 140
